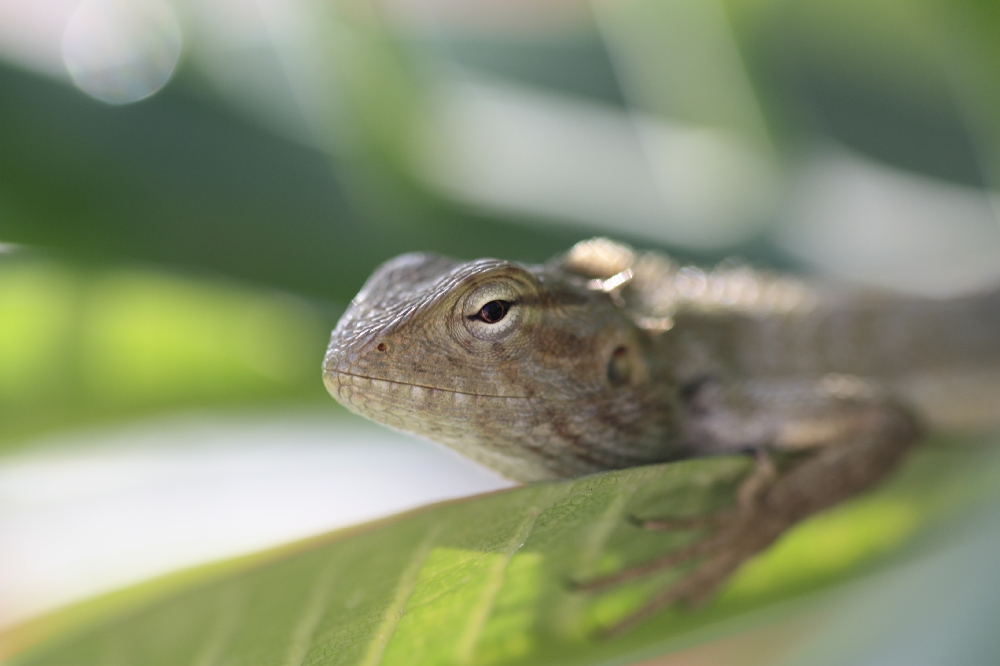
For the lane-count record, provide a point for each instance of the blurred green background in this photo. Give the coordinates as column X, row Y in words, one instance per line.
column 193, row 247
column 191, row 192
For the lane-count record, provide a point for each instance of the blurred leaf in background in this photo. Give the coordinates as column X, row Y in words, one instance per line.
column 190, row 192
column 86, row 344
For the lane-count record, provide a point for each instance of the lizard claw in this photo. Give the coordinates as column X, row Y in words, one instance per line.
column 667, row 561
column 678, row 524
column 737, row 534
column 741, row 535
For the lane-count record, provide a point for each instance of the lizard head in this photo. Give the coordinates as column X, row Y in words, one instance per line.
column 523, row 368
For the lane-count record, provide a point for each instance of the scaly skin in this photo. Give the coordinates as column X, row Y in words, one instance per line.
column 604, row 358
column 586, row 374
column 528, row 396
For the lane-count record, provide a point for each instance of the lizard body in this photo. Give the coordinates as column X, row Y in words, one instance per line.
column 606, row 358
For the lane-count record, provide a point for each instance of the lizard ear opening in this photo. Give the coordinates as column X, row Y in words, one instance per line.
column 620, row 366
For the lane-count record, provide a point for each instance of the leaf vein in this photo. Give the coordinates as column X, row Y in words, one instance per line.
column 404, row 590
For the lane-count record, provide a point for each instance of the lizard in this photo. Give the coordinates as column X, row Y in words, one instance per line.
column 606, row 357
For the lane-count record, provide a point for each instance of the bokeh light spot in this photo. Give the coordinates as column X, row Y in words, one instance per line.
column 120, row 51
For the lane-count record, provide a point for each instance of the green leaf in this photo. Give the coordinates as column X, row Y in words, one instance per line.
column 487, row 580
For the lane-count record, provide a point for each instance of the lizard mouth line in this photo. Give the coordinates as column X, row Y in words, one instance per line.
column 424, row 386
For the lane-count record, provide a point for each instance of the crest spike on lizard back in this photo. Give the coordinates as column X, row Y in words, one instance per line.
column 606, row 358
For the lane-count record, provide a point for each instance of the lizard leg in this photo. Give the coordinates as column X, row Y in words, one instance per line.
column 669, row 560
column 691, row 589
column 769, row 502
column 762, row 475
column 748, row 493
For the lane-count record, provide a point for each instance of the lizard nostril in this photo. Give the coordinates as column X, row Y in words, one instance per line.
column 382, row 347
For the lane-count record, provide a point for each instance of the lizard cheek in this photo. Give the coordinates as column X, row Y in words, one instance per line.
column 619, row 367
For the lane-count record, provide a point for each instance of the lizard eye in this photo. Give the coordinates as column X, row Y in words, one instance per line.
column 494, row 311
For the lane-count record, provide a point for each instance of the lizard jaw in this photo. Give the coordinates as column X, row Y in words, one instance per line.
column 412, row 407
column 453, row 418
column 332, row 376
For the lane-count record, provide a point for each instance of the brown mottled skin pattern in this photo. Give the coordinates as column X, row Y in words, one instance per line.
column 607, row 358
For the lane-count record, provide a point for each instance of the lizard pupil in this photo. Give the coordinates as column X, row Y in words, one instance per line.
column 494, row 311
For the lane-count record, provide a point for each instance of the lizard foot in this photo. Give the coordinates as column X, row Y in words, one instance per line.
column 767, row 504
column 741, row 536
column 747, row 495
column 734, row 536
